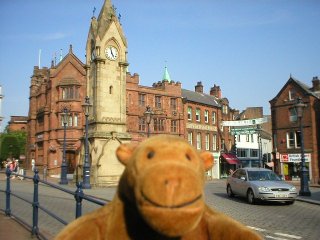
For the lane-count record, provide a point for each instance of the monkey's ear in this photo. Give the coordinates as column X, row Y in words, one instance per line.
column 207, row 159
column 124, row 152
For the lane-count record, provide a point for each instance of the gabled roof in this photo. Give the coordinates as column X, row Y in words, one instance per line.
column 305, row 88
column 69, row 58
column 197, row 97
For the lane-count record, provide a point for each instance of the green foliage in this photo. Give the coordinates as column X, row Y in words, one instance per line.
column 12, row 144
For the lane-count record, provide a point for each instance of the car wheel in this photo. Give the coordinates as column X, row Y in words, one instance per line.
column 250, row 197
column 289, row 203
column 229, row 191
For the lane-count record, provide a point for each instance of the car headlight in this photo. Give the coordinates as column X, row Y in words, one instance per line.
column 293, row 189
column 264, row 189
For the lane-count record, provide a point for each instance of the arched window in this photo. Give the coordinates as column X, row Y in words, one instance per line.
column 110, row 89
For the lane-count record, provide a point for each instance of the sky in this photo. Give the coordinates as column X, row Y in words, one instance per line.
column 247, row 47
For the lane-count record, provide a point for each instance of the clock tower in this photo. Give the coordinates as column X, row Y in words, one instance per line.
column 106, row 62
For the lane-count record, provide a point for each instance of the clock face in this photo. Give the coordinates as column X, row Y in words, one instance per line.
column 111, row 53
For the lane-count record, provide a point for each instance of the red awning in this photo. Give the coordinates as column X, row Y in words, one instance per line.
column 230, row 158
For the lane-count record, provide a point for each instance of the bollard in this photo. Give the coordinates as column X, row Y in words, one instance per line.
column 8, row 192
column 78, row 195
column 35, row 204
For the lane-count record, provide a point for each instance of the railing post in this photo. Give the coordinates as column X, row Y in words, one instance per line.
column 35, row 204
column 78, row 197
column 8, row 191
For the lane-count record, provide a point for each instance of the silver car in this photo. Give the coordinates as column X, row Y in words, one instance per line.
column 260, row 184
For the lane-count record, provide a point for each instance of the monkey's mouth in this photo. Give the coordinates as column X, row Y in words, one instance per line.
column 182, row 205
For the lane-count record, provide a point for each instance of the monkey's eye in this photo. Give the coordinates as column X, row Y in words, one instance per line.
column 188, row 157
column 150, row 154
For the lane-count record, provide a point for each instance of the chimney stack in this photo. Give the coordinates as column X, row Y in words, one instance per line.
column 315, row 84
column 216, row 91
column 199, row 87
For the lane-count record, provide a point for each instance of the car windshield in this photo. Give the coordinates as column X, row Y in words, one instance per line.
column 262, row 176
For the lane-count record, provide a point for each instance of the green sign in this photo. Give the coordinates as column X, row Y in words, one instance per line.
column 243, row 131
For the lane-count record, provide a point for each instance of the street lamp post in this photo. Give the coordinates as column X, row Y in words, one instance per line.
column 86, row 166
column 64, row 166
column 304, row 185
column 148, row 114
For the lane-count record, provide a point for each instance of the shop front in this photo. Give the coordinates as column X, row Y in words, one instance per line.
column 228, row 163
column 213, row 173
column 290, row 165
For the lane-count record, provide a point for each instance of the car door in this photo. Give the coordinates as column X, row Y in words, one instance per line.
column 242, row 183
column 238, row 179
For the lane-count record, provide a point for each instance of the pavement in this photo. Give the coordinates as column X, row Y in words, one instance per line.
column 10, row 228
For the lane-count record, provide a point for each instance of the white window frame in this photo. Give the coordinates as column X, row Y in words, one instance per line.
column 190, row 139
column 214, row 142
column 199, row 141
column 206, row 116
column 207, row 140
column 292, row 140
column 198, row 115
column 214, row 118
column 190, row 113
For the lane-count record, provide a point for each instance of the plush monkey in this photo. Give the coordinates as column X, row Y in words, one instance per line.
column 159, row 197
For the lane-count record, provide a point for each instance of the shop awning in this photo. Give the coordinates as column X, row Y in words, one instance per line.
column 230, row 158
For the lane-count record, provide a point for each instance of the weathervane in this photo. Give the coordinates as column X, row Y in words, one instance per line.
column 93, row 12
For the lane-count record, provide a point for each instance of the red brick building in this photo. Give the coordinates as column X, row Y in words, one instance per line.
column 51, row 90
column 203, row 114
column 286, row 131
column 165, row 102
column 18, row 123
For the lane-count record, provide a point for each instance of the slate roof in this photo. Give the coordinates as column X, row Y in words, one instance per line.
column 199, row 98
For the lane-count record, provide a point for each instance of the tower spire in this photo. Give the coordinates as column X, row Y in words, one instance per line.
column 166, row 76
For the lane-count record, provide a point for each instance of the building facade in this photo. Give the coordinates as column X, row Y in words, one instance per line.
column 164, row 102
column 286, row 129
column 253, row 138
column 51, row 90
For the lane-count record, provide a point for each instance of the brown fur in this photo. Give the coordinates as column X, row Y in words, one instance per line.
column 160, row 197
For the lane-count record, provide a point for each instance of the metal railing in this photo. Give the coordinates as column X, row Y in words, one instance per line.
column 35, row 204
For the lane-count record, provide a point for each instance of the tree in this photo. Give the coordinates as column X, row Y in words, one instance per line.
column 12, row 144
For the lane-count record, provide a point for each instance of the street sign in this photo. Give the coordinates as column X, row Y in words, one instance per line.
column 243, row 131
column 247, row 122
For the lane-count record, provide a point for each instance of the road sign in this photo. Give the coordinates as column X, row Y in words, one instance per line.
column 243, row 131
column 247, row 122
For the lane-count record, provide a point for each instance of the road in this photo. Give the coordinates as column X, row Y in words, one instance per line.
column 273, row 221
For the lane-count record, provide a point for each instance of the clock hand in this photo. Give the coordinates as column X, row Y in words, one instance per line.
column 111, row 52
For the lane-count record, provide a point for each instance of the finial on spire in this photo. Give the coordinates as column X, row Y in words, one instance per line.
column 60, row 55
column 70, row 48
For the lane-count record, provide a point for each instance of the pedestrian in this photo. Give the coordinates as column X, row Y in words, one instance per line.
column 45, row 172
column 33, row 163
column 12, row 167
